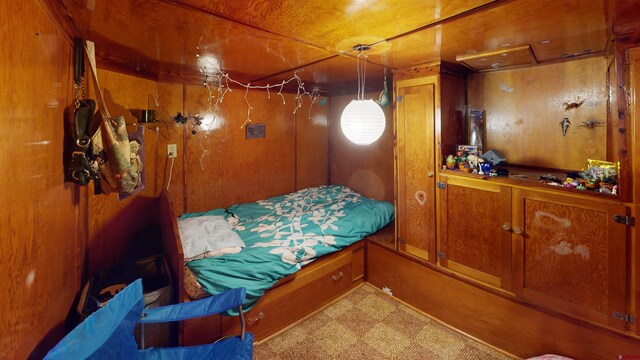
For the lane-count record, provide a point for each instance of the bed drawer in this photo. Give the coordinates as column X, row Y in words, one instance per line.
column 282, row 306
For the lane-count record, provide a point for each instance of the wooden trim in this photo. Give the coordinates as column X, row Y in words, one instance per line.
column 462, row 58
column 625, row 128
column 58, row 12
column 171, row 243
column 475, row 184
column 473, row 273
column 423, row 254
column 432, row 79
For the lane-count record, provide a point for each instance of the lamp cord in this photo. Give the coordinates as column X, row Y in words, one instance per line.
column 361, row 67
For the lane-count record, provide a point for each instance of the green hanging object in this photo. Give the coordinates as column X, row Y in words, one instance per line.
column 383, row 100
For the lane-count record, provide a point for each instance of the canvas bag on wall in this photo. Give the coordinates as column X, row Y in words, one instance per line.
column 111, row 146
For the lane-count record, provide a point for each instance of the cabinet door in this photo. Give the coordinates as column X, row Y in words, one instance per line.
column 572, row 255
column 415, row 111
column 476, row 230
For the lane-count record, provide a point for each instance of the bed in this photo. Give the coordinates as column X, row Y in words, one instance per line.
column 308, row 239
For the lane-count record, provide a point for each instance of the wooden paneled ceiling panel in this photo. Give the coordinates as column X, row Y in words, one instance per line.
column 335, row 25
column 265, row 40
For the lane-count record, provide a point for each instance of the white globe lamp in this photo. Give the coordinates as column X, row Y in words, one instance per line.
column 362, row 121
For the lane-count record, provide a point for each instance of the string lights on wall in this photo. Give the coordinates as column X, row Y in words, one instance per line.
column 218, row 84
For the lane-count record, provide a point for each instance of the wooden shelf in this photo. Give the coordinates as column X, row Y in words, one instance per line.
column 520, row 175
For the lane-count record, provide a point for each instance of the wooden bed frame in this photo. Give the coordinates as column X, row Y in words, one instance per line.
column 314, row 286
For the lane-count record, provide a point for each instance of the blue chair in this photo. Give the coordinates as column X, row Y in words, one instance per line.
column 108, row 332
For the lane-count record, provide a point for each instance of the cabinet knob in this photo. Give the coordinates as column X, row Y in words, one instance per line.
column 517, row 230
column 430, row 174
column 506, row 226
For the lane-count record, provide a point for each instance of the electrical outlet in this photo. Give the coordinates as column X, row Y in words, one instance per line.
column 172, row 150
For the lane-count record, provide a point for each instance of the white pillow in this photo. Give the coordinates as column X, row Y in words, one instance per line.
column 204, row 234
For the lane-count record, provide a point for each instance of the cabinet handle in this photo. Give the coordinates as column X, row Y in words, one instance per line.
column 252, row 320
column 517, row 230
column 506, row 226
column 337, row 277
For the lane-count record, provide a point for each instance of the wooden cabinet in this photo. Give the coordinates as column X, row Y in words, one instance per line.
column 562, row 252
column 416, row 104
column 571, row 255
column 475, row 223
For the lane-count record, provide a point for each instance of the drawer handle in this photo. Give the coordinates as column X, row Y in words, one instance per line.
column 252, row 320
column 337, row 277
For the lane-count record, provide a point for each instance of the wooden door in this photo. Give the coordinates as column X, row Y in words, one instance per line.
column 475, row 237
column 572, row 255
column 415, row 113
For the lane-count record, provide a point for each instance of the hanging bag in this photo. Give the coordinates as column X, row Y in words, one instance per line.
column 79, row 167
column 110, row 144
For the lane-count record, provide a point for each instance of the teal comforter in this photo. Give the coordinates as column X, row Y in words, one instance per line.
column 284, row 233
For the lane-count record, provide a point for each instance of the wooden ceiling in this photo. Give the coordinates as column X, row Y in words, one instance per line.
column 265, row 41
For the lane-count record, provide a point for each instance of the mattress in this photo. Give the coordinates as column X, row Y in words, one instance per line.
column 284, row 233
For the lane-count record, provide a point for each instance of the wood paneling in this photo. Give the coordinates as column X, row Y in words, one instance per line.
column 224, row 167
column 312, row 143
column 453, row 108
column 524, row 108
column 517, row 328
column 416, row 108
column 42, row 243
column 331, row 24
column 115, row 227
column 573, row 256
column 365, row 169
column 159, row 38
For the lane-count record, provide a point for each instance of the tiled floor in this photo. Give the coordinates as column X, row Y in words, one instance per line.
column 368, row 324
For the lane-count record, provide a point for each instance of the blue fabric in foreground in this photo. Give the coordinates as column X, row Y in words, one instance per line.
column 228, row 349
column 108, row 332
column 193, row 309
column 284, row 233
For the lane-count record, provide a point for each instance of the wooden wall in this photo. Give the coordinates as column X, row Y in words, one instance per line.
column 365, row 169
column 117, row 230
column 225, row 168
column 41, row 243
column 524, row 108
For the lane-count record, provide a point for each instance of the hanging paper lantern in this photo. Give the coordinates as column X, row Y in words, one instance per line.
column 362, row 121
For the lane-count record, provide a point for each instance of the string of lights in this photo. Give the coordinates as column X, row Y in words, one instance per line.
column 218, row 84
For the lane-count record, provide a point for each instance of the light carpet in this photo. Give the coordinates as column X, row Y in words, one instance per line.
column 369, row 324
